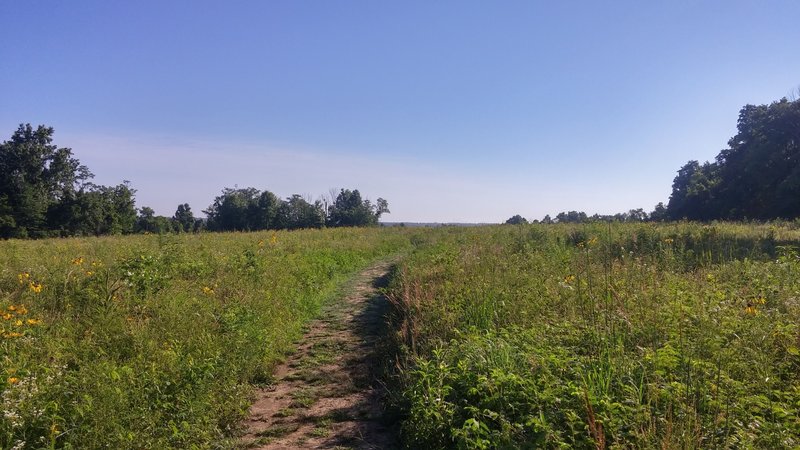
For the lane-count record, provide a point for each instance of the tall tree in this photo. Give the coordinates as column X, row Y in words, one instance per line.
column 350, row 210
column 184, row 218
column 35, row 175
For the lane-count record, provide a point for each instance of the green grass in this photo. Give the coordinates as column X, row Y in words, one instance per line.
column 601, row 336
column 154, row 341
column 566, row 336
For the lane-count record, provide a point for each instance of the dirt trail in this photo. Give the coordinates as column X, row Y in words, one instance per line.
column 326, row 395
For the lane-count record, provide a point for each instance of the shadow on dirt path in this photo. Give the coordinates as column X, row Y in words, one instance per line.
column 327, row 394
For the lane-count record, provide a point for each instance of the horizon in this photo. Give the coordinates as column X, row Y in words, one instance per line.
column 453, row 112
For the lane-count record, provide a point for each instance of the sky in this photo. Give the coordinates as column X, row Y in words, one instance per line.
column 453, row 111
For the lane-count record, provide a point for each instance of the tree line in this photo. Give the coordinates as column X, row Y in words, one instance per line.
column 46, row 192
column 756, row 178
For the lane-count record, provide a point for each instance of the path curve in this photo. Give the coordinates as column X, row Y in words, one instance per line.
column 326, row 394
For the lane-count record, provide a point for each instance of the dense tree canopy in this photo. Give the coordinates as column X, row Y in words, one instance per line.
column 350, row 210
column 756, row 177
column 44, row 191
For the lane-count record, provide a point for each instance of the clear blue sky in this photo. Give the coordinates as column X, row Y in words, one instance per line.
column 451, row 110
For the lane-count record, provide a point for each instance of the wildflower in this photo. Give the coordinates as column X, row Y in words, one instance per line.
column 12, row 308
column 569, row 278
column 77, row 261
column 13, row 380
column 750, row 309
column 261, row 243
column 711, row 278
column 274, row 239
column 35, row 287
column 22, row 310
column 208, row 291
column 33, row 321
column 668, row 241
column 18, row 323
column 23, row 277
column 89, row 273
column 761, row 300
column 12, row 334
column 592, row 241
column 7, row 316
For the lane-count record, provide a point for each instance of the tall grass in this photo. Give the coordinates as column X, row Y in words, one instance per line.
column 154, row 341
column 602, row 336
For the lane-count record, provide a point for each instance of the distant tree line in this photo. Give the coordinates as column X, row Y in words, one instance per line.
column 757, row 177
column 46, row 192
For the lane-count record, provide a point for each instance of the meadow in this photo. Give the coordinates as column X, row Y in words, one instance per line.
column 155, row 341
column 601, row 336
column 527, row 336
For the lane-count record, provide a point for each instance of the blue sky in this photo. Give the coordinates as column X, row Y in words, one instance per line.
column 453, row 111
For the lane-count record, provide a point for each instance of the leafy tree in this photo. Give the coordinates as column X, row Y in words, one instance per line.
column 349, row 210
column 231, row 210
column 296, row 213
column 659, row 213
column 517, row 220
column 572, row 217
column 757, row 176
column 184, row 218
column 35, row 176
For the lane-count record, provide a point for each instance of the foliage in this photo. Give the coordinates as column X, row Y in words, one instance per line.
column 516, row 220
column 155, row 341
column 35, row 176
column 756, row 177
column 601, row 336
column 44, row 191
column 349, row 210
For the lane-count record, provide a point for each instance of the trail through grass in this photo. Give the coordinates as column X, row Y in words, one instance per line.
column 326, row 395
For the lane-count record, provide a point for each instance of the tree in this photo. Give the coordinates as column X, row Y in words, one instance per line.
column 659, row 213
column 517, row 220
column 231, row 210
column 349, row 210
column 297, row 213
column 35, row 176
column 184, row 218
column 757, row 176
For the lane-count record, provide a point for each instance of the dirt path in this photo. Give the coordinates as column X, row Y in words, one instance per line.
column 326, row 395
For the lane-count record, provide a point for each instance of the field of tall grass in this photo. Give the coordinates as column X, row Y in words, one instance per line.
column 534, row 336
column 601, row 336
column 154, row 341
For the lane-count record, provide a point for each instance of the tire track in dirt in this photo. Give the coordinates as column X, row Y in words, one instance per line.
column 326, row 394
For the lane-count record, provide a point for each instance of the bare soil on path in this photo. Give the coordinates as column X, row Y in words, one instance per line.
column 326, row 395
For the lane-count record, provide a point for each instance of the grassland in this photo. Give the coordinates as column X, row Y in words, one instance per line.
column 602, row 336
column 535, row 336
column 154, row 341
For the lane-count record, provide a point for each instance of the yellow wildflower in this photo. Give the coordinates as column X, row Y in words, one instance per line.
column 13, row 380
column 750, row 309
column 274, row 239
column 208, row 291
column 668, row 241
column 33, row 321
column 261, row 243
column 24, row 276
column 761, row 300
column 35, row 287
column 12, row 308
column 12, row 334
column 18, row 323
column 77, row 261
column 89, row 273
column 22, row 310
column 592, row 241
column 7, row 316
column 569, row 278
